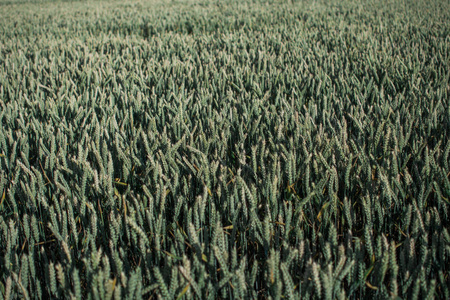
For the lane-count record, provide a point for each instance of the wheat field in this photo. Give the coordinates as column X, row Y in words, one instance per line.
column 224, row 150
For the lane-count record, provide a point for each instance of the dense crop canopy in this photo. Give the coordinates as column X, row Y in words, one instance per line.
column 212, row 149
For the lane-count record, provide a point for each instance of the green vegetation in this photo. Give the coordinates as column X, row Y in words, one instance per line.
column 225, row 150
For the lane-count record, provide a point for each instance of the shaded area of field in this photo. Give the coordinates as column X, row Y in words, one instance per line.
column 210, row 150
